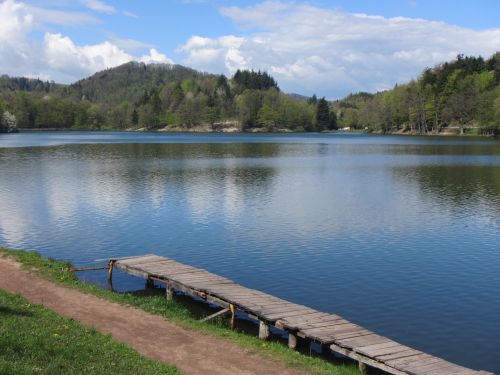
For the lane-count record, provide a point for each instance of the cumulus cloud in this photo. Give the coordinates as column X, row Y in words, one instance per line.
column 312, row 49
column 63, row 55
column 57, row 56
column 155, row 57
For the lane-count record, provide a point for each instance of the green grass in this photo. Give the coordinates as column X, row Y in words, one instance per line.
column 60, row 272
column 35, row 340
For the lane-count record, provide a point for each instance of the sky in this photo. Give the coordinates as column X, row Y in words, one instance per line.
column 327, row 48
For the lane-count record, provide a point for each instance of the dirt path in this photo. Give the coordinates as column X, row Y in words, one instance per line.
column 193, row 352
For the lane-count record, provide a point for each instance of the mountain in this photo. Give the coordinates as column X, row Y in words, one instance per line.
column 153, row 96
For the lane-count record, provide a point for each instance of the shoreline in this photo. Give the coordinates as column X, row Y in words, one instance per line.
column 204, row 130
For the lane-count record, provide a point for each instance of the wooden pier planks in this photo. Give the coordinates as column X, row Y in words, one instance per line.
column 332, row 330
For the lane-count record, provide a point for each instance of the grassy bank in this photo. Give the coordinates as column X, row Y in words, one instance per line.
column 35, row 340
column 59, row 272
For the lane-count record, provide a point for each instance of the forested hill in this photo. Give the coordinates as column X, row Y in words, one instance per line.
column 463, row 95
column 154, row 96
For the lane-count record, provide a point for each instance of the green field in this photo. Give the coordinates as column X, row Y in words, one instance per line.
column 35, row 340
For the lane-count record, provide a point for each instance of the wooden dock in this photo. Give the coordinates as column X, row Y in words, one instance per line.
column 328, row 330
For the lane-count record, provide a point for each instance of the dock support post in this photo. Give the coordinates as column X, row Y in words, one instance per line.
column 263, row 330
column 362, row 367
column 111, row 263
column 231, row 308
column 169, row 292
column 150, row 283
column 292, row 341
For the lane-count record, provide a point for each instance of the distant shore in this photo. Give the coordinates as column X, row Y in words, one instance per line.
column 449, row 131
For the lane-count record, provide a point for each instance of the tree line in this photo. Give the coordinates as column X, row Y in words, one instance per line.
column 463, row 94
column 142, row 96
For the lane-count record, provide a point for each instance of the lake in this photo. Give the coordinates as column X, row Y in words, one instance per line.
column 400, row 234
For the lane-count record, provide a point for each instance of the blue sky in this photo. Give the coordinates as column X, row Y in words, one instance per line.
column 330, row 48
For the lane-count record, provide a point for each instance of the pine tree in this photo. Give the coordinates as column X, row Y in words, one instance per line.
column 322, row 115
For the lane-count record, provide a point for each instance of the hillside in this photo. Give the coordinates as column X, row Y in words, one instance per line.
column 160, row 96
column 462, row 96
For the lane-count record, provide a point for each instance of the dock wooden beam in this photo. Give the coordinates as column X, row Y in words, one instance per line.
column 215, row 315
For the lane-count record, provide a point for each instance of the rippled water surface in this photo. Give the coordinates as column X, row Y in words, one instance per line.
column 399, row 234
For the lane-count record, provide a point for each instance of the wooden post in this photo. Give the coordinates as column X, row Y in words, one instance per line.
column 150, row 283
column 169, row 292
column 292, row 341
column 263, row 330
column 362, row 367
column 111, row 263
column 231, row 308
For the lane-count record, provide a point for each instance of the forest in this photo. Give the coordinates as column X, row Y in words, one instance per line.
column 162, row 96
column 462, row 95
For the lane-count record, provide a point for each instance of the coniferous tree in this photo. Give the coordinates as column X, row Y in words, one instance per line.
column 322, row 115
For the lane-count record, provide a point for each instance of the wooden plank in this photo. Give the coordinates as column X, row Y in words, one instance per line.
column 333, row 326
column 435, row 368
column 284, row 316
column 317, row 317
column 366, row 360
column 142, row 260
column 235, row 293
column 281, row 308
column 362, row 341
column 401, row 362
column 206, row 285
column 347, row 335
column 299, row 317
column 133, row 272
column 403, row 354
column 376, row 350
column 318, row 322
column 251, row 297
column 202, row 279
column 331, row 336
column 256, row 305
column 304, row 324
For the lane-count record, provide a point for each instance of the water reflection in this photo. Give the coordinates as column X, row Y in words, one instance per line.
column 399, row 234
column 459, row 191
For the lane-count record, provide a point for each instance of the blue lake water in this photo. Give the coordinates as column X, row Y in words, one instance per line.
column 399, row 234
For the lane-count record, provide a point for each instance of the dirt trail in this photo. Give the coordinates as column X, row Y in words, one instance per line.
column 193, row 352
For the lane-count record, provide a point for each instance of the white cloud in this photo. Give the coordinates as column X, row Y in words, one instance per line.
column 311, row 49
column 44, row 16
column 155, row 57
column 63, row 55
column 57, row 56
column 99, row 6
column 129, row 14
column 207, row 54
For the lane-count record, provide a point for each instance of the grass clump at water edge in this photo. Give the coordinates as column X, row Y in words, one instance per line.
column 60, row 272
